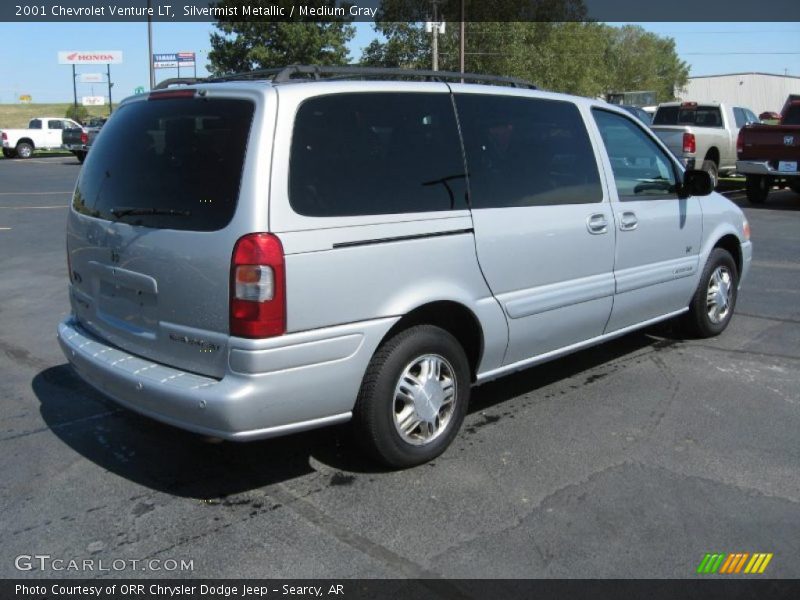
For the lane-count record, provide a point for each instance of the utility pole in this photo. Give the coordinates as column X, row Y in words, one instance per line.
column 435, row 37
column 461, row 34
column 150, row 46
column 110, row 85
column 74, row 86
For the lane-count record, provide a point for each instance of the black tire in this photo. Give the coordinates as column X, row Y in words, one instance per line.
column 24, row 150
column 757, row 188
column 698, row 321
column 794, row 185
column 8, row 153
column 711, row 167
column 374, row 414
column 81, row 156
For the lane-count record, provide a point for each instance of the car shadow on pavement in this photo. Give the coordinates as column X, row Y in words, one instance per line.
column 176, row 462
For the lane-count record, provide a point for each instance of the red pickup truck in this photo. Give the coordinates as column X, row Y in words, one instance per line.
column 769, row 155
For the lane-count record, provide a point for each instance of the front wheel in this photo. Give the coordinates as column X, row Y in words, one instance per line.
column 712, row 305
column 757, row 188
column 413, row 397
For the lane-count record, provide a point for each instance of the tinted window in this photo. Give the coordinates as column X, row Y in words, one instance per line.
column 641, row 169
column 701, row 116
column 526, row 152
column 180, row 156
column 792, row 115
column 35, row 124
column 375, row 153
column 55, row 124
column 751, row 117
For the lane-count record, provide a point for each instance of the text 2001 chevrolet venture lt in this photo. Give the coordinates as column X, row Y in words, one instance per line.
column 265, row 254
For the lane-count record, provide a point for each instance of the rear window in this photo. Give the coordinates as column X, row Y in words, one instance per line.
column 699, row 116
column 792, row 116
column 172, row 164
column 376, row 153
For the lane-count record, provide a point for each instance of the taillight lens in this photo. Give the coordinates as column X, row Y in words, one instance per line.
column 4, row 136
column 258, row 287
column 740, row 143
column 689, row 143
column 84, row 137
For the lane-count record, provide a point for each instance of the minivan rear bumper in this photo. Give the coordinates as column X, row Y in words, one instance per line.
column 275, row 389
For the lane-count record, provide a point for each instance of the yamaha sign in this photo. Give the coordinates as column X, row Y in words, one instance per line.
column 90, row 57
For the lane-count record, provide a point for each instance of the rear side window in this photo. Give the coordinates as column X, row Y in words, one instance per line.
column 168, row 163
column 35, row 124
column 526, row 152
column 740, row 116
column 376, row 153
column 700, row 116
column 55, row 124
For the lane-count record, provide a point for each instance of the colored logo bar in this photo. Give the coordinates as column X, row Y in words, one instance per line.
column 735, row 562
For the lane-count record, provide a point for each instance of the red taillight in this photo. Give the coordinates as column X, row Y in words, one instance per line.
column 689, row 143
column 258, row 287
column 688, row 104
column 4, row 136
column 740, row 143
column 84, row 138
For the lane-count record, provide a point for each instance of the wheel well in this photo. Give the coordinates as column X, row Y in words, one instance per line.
column 731, row 243
column 453, row 317
column 27, row 141
column 713, row 154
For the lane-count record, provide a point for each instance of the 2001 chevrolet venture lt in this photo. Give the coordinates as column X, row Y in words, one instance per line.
column 276, row 251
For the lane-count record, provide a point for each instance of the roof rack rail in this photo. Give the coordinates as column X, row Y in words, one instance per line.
column 162, row 85
column 299, row 73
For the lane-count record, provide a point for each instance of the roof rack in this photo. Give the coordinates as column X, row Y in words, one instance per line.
column 300, row 73
column 162, row 85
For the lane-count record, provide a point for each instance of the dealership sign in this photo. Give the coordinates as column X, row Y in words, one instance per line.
column 173, row 60
column 90, row 57
column 91, row 78
column 93, row 100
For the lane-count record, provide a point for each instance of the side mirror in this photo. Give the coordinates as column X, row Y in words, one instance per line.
column 696, row 183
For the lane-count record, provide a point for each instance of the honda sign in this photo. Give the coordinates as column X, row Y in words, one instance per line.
column 90, row 57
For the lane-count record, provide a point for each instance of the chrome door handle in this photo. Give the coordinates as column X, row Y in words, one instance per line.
column 597, row 223
column 628, row 221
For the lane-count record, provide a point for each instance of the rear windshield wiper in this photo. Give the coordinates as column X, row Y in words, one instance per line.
column 120, row 212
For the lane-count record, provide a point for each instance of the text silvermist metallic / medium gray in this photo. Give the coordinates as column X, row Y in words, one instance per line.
column 252, row 258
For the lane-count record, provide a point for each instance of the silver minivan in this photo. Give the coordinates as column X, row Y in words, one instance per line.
column 278, row 251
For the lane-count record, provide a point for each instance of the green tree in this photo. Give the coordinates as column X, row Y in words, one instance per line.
column 77, row 113
column 243, row 46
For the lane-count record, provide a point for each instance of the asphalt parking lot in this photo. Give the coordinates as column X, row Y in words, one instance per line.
column 632, row 459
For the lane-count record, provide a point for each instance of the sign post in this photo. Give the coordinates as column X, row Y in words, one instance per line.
column 90, row 57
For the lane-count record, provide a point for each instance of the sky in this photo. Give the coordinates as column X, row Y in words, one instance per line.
column 29, row 61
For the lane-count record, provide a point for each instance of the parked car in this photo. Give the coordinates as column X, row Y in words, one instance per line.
column 639, row 113
column 78, row 140
column 253, row 258
column 43, row 133
column 702, row 135
column 769, row 155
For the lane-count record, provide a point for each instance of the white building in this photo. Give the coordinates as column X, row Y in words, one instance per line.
column 759, row 92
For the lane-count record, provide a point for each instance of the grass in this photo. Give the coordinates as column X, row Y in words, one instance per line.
column 16, row 116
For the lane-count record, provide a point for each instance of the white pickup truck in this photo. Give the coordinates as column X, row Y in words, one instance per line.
column 702, row 135
column 43, row 133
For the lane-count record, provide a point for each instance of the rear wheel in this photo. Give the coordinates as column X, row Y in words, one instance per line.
column 24, row 150
column 757, row 188
column 711, row 167
column 81, row 156
column 712, row 305
column 414, row 397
